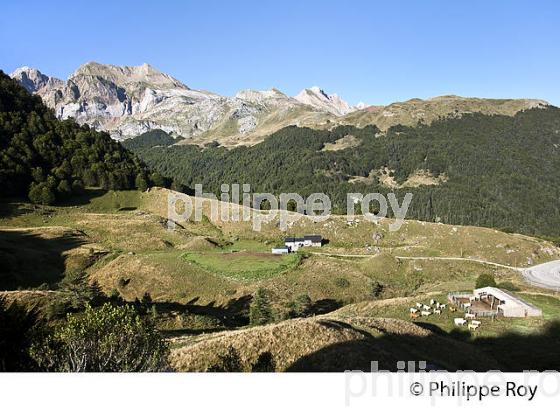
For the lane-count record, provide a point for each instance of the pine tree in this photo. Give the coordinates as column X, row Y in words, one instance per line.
column 260, row 312
column 141, row 183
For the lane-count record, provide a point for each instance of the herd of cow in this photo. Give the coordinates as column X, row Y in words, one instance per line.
column 435, row 308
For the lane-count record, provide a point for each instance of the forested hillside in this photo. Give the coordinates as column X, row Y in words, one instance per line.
column 494, row 171
column 48, row 160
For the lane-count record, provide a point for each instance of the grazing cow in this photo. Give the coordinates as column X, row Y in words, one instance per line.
column 472, row 326
column 470, row 316
column 459, row 321
column 442, row 306
column 432, row 302
column 453, row 309
column 426, row 307
column 437, row 311
column 437, row 305
column 426, row 313
column 413, row 310
column 476, row 322
column 418, row 305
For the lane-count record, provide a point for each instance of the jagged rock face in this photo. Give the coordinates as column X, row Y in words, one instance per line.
column 33, row 80
column 319, row 99
column 127, row 101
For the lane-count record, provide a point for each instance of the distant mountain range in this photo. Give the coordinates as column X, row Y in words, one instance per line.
column 128, row 101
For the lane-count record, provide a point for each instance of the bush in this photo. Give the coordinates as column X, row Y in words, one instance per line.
column 377, row 289
column 301, row 306
column 41, row 193
column 342, row 282
column 227, row 362
column 260, row 312
column 107, row 339
column 484, row 280
column 141, row 183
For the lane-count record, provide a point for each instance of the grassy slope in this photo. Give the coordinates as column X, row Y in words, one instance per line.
column 122, row 238
column 131, row 228
column 351, row 337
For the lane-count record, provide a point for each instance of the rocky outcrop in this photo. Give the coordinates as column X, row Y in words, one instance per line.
column 319, row 99
column 128, row 101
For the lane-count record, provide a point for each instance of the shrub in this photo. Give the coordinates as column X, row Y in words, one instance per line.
column 260, row 312
column 301, row 306
column 227, row 362
column 484, row 280
column 377, row 289
column 107, row 339
column 141, row 183
column 41, row 193
column 342, row 282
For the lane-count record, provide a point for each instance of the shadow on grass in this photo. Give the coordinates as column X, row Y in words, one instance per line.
column 27, row 260
column 12, row 208
column 511, row 352
column 231, row 315
column 323, row 306
column 85, row 198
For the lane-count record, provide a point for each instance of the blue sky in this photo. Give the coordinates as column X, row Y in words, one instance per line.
column 371, row 51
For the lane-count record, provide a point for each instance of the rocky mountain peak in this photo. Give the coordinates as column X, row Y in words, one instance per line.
column 261, row 96
column 122, row 75
column 32, row 79
column 319, row 99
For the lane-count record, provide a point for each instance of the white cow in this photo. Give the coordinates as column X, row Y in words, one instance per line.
column 476, row 322
column 459, row 321
column 432, row 302
column 426, row 313
column 426, row 307
column 418, row 305
column 442, row 306
column 437, row 311
column 467, row 305
column 470, row 316
column 437, row 305
column 413, row 310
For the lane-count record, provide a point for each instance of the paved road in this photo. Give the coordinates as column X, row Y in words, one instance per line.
column 545, row 275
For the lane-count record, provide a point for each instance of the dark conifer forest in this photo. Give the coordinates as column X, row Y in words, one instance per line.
column 49, row 160
column 500, row 171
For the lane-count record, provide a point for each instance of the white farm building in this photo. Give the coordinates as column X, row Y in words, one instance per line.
column 506, row 303
column 293, row 244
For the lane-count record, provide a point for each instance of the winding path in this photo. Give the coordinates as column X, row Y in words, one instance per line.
column 428, row 258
